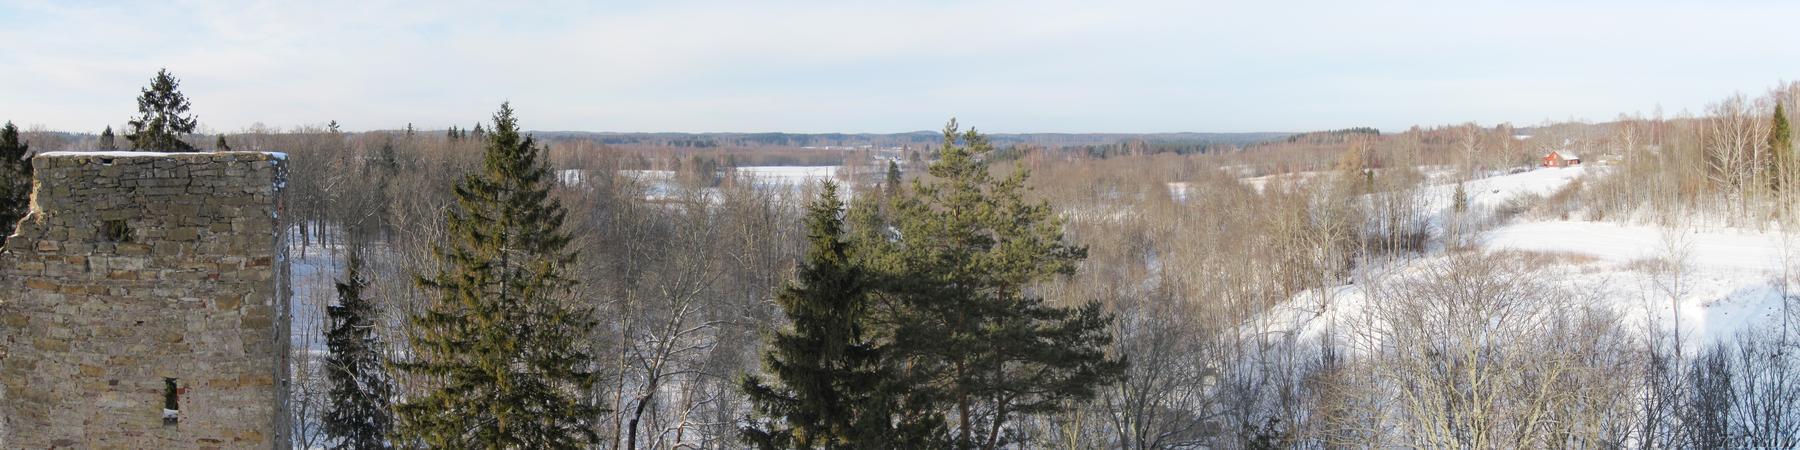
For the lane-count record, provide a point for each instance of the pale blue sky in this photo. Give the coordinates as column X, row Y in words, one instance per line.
column 800, row 66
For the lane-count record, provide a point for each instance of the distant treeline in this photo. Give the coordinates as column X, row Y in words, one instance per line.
column 1333, row 135
column 916, row 139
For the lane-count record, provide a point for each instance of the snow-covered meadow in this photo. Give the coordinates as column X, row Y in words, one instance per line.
column 1711, row 282
column 662, row 185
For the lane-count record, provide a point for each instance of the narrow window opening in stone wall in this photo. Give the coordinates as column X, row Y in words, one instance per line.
column 115, row 231
column 171, row 402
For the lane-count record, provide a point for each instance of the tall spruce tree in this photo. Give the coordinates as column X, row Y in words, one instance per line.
column 1781, row 149
column 358, row 416
column 826, row 369
column 972, row 343
column 891, row 185
column 162, row 117
column 499, row 349
column 15, row 179
column 107, row 140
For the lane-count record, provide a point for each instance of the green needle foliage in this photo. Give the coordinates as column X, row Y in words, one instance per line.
column 107, row 140
column 162, row 117
column 358, row 416
column 1781, row 148
column 890, row 186
column 15, row 180
column 973, row 342
column 828, row 368
column 946, row 272
column 500, row 346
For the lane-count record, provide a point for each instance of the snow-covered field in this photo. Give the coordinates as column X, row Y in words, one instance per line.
column 1731, row 278
column 1490, row 192
column 661, row 184
column 788, row 176
column 1262, row 182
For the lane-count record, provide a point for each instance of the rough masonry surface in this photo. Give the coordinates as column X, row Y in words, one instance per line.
column 137, row 275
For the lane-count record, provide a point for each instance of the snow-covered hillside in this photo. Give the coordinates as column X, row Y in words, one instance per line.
column 1729, row 280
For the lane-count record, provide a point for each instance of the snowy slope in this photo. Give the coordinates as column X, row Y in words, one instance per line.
column 1731, row 278
column 1490, row 192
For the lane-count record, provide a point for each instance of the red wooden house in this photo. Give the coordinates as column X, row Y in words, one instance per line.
column 1561, row 158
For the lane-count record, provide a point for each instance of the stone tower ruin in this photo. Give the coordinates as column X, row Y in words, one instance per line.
column 143, row 304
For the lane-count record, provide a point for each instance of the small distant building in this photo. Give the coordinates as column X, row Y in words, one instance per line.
column 1561, row 158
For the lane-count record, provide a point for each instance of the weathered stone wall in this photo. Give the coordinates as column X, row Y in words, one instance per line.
column 136, row 268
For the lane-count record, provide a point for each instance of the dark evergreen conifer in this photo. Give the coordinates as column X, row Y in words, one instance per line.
column 1781, row 149
column 107, row 140
column 500, row 349
column 386, row 159
column 15, row 179
column 972, row 343
column 825, row 369
column 162, row 117
column 891, row 185
column 358, row 416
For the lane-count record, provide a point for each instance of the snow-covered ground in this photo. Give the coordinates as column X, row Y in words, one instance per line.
column 661, row 184
column 1259, row 183
column 1731, row 278
column 788, row 176
column 1179, row 190
column 314, row 269
column 1490, row 192
column 1731, row 281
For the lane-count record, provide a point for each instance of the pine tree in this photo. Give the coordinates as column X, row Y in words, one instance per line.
column 975, row 345
column 107, row 141
column 499, row 347
column 163, row 117
column 358, row 416
column 15, row 179
column 220, row 145
column 828, row 369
